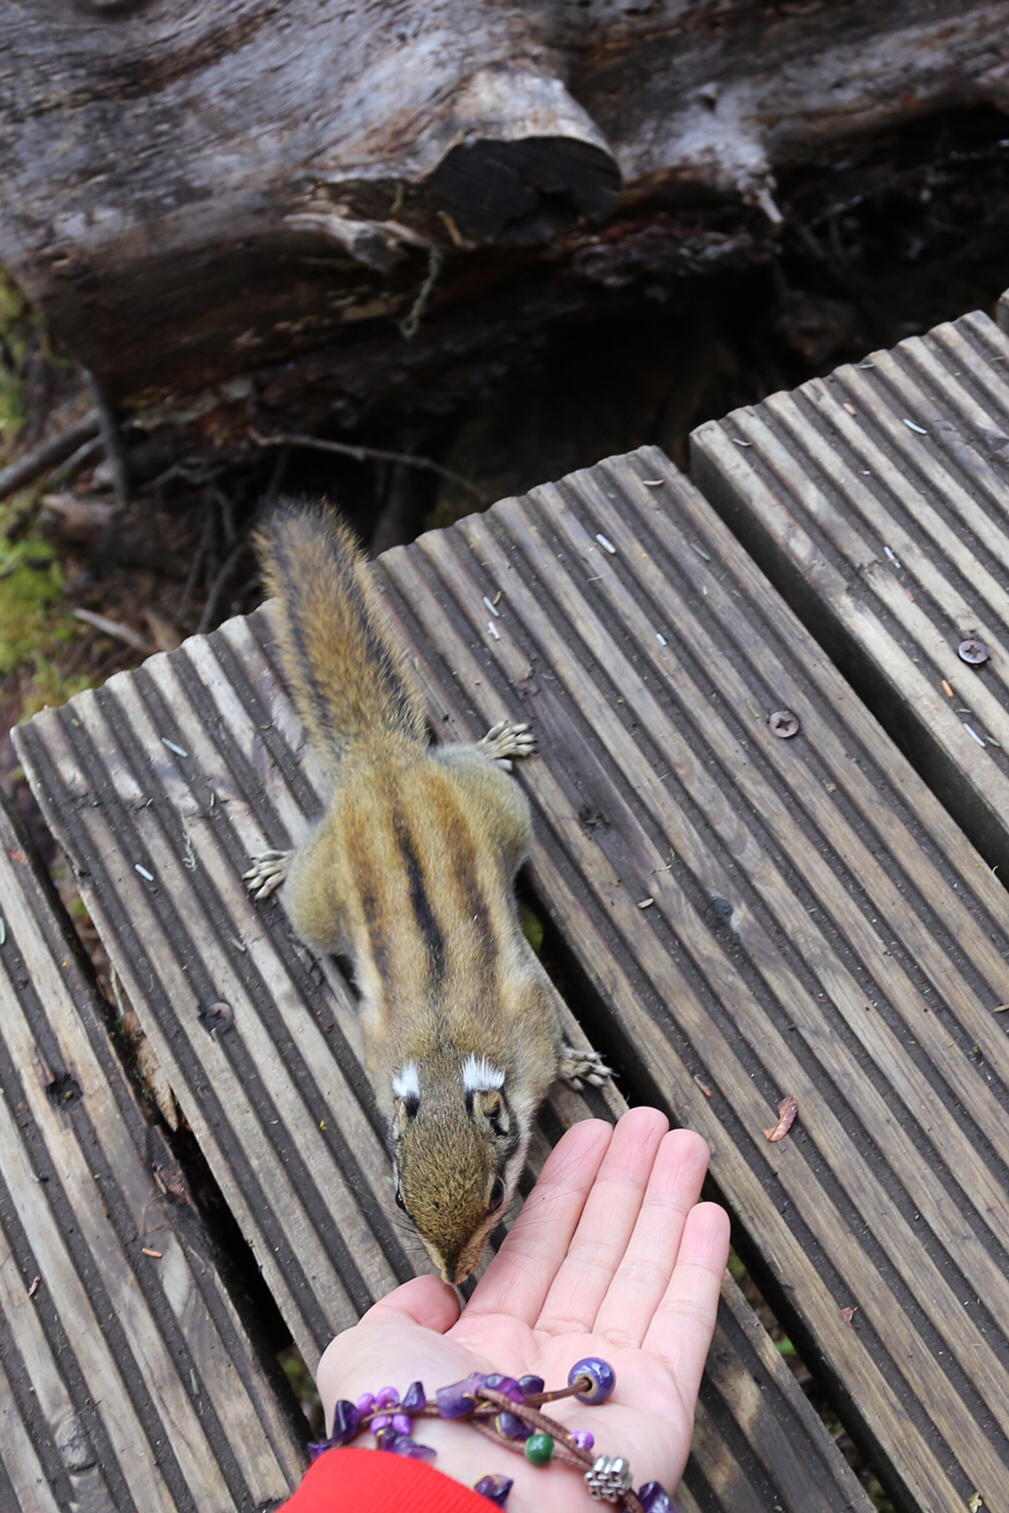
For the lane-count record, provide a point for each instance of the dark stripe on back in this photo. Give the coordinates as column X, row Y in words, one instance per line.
column 427, row 923
column 377, row 635
column 471, row 899
column 373, row 905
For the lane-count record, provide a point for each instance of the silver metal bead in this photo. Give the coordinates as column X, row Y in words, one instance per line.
column 609, row 1478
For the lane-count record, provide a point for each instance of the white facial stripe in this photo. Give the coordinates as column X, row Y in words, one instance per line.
column 480, row 1075
column 406, row 1084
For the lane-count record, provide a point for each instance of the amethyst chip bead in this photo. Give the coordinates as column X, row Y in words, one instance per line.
column 459, row 1399
column 414, row 1398
column 655, row 1499
column 346, row 1423
column 402, row 1423
column 495, row 1488
column 511, row 1426
column 507, row 1386
column 406, row 1446
column 600, row 1374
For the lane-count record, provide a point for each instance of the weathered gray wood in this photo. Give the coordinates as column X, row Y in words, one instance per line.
column 818, row 927
column 127, row 1379
column 273, row 1085
column 194, row 197
column 878, row 500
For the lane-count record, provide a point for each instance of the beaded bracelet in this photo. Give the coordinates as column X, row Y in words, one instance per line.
column 506, row 1411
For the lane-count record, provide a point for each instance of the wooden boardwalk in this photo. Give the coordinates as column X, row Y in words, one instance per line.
column 754, row 890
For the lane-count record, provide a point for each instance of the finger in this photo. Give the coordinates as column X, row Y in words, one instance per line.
column 643, row 1275
column 518, row 1278
column 427, row 1301
column 683, row 1323
column 607, row 1222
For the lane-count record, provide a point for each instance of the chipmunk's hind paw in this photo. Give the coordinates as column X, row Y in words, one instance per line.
column 268, row 870
column 583, row 1066
column 503, row 741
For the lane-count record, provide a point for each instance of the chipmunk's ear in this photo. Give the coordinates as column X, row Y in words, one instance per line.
column 485, row 1099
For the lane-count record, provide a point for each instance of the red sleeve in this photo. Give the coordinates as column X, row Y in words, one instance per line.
column 376, row 1481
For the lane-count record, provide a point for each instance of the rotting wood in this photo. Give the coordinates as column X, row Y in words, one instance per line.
column 277, row 1096
column 127, row 1376
column 294, row 174
column 877, row 500
column 820, row 928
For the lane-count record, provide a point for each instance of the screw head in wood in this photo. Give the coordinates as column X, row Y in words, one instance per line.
column 783, row 723
column 973, row 651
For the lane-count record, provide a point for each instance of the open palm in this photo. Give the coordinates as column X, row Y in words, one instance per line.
column 613, row 1256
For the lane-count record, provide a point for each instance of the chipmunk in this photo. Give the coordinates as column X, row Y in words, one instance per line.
column 409, row 872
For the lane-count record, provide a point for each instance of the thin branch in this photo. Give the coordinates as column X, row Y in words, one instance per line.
column 361, row 454
column 48, row 456
column 114, row 629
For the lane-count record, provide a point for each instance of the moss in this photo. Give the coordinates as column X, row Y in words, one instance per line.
column 16, row 325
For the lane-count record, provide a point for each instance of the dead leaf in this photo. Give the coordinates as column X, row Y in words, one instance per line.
column 975, row 1502
column 848, row 1314
column 155, row 1255
column 33, row 1289
column 1000, row 1008
column 16, row 854
column 787, row 1110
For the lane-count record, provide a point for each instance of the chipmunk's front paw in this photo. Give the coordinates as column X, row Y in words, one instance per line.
column 503, row 741
column 268, row 870
column 583, row 1066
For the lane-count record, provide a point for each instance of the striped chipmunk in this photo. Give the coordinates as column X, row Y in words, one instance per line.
column 409, row 873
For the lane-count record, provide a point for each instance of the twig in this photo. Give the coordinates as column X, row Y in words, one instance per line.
column 361, row 454
column 114, row 629
column 227, row 568
column 115, row 452
column 410, row 326
column 48, row 456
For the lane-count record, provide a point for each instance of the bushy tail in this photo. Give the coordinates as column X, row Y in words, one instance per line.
column 347, row 671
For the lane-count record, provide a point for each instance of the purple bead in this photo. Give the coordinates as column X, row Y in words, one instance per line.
column 346, row 1423
column 511, row 1426
column 655, row 1499
column 414, row 1398
column 386, row 1438
column 459, row 1399
column 366, row 1402
column 407, row 1446
column 318, row 1448
column 386, row 1397
column 402, row 1423
column 531, row 1385
column 380, row 1421
column 507, row 1386
column 603, row 1377
column 495, row 1488
column 583, row 1438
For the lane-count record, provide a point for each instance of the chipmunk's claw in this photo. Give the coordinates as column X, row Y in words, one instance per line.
column 268, row 870
column 503, row 741
column 583, row 1066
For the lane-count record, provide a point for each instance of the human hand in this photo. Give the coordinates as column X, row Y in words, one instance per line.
column 612, row 1256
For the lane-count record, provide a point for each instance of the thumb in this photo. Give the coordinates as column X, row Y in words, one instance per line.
column 427, row 1301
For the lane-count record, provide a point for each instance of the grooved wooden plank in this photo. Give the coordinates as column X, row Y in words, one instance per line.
column 876, row 499
column 127, row 1379
column 273, row 1086
column 818, row 926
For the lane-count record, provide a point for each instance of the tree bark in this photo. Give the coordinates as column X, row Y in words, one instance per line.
column 283, row 213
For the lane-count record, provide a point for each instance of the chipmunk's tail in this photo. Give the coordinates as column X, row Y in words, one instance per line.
column 347, row 671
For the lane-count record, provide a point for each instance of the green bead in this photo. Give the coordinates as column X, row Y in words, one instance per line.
column 539, row 1449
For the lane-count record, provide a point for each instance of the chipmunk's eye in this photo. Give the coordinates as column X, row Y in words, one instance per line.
column 496, row 1196
column 399, row 1200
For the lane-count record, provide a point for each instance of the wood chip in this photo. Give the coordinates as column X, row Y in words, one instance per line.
column 646, row 903
column 913, row 426
column 946, row 689
column 787, row 1110
column 703, row 1087
column 36, row 1284
column 653, row 483
column 155, row 1255
column 606, row 545
column 850, row 408
column 1001, row 1008
column 848, row 1314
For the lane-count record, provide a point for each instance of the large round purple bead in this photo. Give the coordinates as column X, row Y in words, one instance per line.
column 459, row 1399
column 507, row 1386
column 655, row 1499
column 495, row 1488
column 531, row 1385
column 602, row 1376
